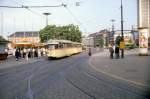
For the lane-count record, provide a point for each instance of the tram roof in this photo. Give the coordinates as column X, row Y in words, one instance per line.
column 60, row 41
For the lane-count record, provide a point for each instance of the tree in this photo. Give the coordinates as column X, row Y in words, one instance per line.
column 47, row 33
column 68, row 32
column 118, row 39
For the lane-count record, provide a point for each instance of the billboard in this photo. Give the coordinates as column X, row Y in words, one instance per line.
column 143, row 41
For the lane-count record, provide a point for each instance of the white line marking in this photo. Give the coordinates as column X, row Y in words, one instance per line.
column 30, row 92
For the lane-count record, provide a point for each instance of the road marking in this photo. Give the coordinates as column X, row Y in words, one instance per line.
column 114, row 76
column 30, row 92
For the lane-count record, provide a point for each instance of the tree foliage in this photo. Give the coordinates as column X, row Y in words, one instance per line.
column 68, row 32
column 118, row 39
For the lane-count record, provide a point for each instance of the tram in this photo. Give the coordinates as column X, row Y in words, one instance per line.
column 62, row 48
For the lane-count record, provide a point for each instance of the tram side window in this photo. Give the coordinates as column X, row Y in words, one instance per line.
column 60, row 45
column 69, row 45
column 78, row 45
column 56, row 46
column 51, row 47
column 65, row 45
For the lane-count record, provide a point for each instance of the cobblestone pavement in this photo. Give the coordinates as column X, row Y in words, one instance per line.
column 68, row 78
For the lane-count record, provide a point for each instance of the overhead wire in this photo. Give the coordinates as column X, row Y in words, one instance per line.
column 27, row 8
column 34, row 12
column 62, row 5
column 11, row 7
column 74, row 16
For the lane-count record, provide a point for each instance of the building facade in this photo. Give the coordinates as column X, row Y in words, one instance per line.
column 24, row 39
column 99, row 39
column 129, row 36
column 144, row 14
column 88, row 41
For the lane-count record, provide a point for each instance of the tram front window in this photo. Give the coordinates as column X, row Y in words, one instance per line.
column 51, row 47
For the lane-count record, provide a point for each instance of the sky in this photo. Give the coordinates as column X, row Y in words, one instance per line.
column 91, row 15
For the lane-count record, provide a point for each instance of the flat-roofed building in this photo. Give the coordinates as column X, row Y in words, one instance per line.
column 144, row 14
column 24, row 38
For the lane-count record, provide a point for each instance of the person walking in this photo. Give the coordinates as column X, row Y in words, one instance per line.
column 111, row 50
column 89, row 52
column 39, row 52
column 33, row 52
column 26, row 55
column 17, row 54
column 24, row 52
column 117, row 52
column 14, row 52
column 21, row 52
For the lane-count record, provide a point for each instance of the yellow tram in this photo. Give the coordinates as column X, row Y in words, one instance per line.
column 62, row 48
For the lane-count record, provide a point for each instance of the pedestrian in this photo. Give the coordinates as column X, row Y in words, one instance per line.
column 24, row 52
column 43, row 51
column 111, row 50
column 17, row 54
column 33, row 52
column 39, row 52
column 117, row 52
column 89, row 52
column 29, row 53
column 114, row 47
column 21, row 52
column 14, row 52
column 26, row 55
column 36, row 52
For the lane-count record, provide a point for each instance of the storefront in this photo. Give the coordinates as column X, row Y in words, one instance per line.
column 3, row 47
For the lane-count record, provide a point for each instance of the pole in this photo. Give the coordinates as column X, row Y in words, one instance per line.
column 2, row 18
column 132, row 31
column 122, row 36
column 14, row 31
column 46, row 14
column 113, row 32
column 46, row 20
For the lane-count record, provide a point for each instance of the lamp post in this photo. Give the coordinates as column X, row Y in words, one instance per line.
column 122, row 36
column 46, row 14
column 113, row 32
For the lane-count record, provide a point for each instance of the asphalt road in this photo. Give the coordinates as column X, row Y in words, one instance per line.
column 67, row 78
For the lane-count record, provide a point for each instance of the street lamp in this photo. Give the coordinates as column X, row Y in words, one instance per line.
column 46, row 14
column 113, row 32
column 122, row 37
